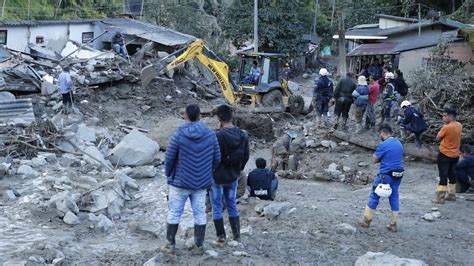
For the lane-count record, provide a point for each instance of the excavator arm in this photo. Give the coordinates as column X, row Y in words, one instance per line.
column 218, row 68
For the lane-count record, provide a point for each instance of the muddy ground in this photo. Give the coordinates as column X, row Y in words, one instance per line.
column 308, row 235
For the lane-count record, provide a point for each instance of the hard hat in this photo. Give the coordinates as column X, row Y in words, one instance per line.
column 323, row 72
column 389, row 75
column 405, row 104
column 287, row 65
column 362, row 80
column 383, row 190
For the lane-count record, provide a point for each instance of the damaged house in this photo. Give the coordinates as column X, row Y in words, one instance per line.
column 405, row 43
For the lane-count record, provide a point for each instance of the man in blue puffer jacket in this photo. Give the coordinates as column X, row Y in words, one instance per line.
column 361, row 99
column 192, row 155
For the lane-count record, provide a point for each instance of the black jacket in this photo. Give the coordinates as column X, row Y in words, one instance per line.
column 231, row 140
column 344, row 88
column 261, row 179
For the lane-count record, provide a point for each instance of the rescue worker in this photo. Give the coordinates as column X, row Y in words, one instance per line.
column 389, row 154
column 448, row 157
column 254, row 75
column 361, row 99
column 285, row 73
column 374, row 90
column 388, row 96
column 412, row 122
column 65, row 86
column 344, row 99
column 118, row 44
column 322, row 94
column 465, row 169
column 262, row 182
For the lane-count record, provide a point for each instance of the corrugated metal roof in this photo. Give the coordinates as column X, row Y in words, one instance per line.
column 374, row 49
column 421, row 42
column 44, row 22
column 397, row 18
column 18, row 112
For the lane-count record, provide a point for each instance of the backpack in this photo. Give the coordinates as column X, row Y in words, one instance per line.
column 402, row 88
column 230, row 166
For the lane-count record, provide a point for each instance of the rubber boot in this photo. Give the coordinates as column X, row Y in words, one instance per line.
column 392, row 226
column 318, row 120
column 235, row 225
column 367, row 218
column 171, row 230
column 336, row 125
column 344, row 124
column 451, row 192
column 440, row 193
column 418, row 141
column 403, row 134
column 220, row 231
column 199, row 234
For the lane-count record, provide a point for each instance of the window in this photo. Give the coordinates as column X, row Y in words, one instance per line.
column 3, row 37
column 39, row 39
column 87, row 36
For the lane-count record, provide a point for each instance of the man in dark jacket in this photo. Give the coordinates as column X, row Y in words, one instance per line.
column 343, row 97
column 262, row 182
column 192, row 154
column 322, row 94
column 234, row 146
column 412, row 122
column 465, row 169
column 118, row 44
column 389, row 95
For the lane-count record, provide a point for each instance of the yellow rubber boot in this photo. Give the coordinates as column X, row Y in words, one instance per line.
column 451, row 192
column 368, row 215
column 440, row 194
column 392, row 226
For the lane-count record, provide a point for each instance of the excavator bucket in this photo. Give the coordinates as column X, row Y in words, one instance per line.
column 148, row 74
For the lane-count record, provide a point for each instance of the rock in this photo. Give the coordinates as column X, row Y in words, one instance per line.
column 155, row 261
column 345, row 229
column 212, row 253
column 6, row 96
column 275, row 210
column 165, row 130
column 311, row 143
column 93, row 218
column 260, row 207
column 71, row 219
column 57, row 106
column 436, row 214
column 233, row 243
column 94, row 152
column 428, row 217
column 306, row 75
column 363, row 164
column 27, row 171
column 146, row 171
column 292, row 163
column 134, row 149
column 246, row 231
column 151, row 229
column 10, row 194
column 63, row 202
column 344, row 143
column 346, row 169
column 434, row 209
column 126, row 180
column 332, row 167
column 38, row 161
column 105, row 224
column 328, row 144
column 379, row 258
column 85, row 133
column 99, row 201
column 240, row 253
column 293, row 210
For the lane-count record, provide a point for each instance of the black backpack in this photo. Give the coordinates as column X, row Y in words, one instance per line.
column 402, row 87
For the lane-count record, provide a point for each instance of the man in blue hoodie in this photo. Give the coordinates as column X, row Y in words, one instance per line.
column 234, row 146
column 192, row 154
column 465, row 169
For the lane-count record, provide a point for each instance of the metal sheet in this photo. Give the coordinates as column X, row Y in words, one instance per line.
column 17, row 112
column 374, row 49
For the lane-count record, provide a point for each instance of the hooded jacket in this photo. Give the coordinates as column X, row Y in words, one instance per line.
column 230, row 140
column 344, row 88
column 324, row 88
column 414, row 120
column 192, row 154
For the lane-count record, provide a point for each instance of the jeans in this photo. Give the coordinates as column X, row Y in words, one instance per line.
column 322, row 105
column 120, row 49
column 274, row 187
column 229, row 193
column 446, row 168
column 394, row 197
column 177, row 200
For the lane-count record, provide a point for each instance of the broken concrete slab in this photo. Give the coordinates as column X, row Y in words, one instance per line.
column 92, row 152
column 86, row 133
column 105, row 225
column 275, row 210
column 165, row 130
column 146, row 171
column 71, row 219
column 379, row 258
column 135, row 149
column 64, row 203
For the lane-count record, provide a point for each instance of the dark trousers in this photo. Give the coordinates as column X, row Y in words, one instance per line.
column 322, row 105
column 343, row 106
column 446, row 168
column 67, row 99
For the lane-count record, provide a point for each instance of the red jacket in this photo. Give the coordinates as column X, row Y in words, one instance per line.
column 374, row 89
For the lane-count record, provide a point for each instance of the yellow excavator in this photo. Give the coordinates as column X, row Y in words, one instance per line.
column 270, row 90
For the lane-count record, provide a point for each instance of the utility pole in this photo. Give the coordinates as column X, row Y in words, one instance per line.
column 342, row 68
column 255, row 26
column 316, row 4
column 29, row 2
column 3, row 8
column 419, row 20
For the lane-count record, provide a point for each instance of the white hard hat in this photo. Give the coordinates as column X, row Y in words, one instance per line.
column 323, row 72
column 361, row 80
column 405, row 104
column 389, row 75
column 383, row 190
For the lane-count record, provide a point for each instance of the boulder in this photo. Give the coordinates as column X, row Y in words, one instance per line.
column 105, row 224
column 379, row 258
column 92, row 151
column 212, row 253
column 85, row 133
column 165, row 130
column 70, row 218
column 27, row 171
column 63, row 202
column 146, row 171
column 134, row 149
column 274, row 210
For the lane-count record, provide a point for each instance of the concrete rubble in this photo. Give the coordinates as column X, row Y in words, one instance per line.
column 379, row 258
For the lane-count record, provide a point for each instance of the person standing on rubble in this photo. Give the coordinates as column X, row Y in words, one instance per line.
column 344, row 99
column 448, row 157
column 389, row 154
column 374, row 90
column 412, row 122
column 192, row 154
column 234, row 146
column 361, row 98
column 65, row 86
column 322, row 94
column 388, row 97
column 118, row 44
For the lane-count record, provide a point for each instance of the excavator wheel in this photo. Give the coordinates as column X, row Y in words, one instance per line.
column 273, row 98
column 295, row 104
